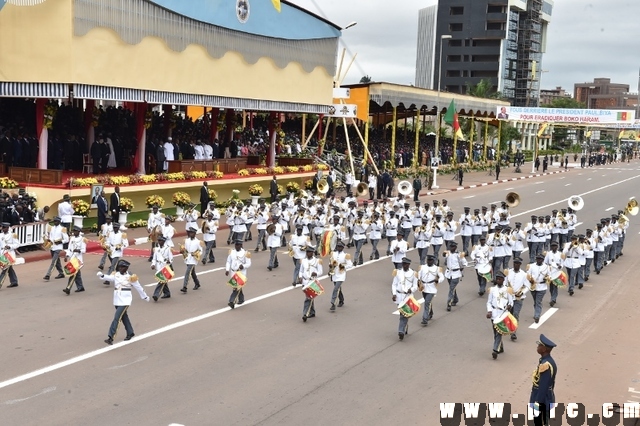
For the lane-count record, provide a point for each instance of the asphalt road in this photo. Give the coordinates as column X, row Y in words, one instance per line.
column 196, row 362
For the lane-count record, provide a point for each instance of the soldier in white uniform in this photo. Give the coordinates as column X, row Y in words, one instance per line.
column 77, row 247
column 122, row 298
column 340, row 262
column 8, row 244
column 58, row 237
column 360, row 227
column 466, row 228
column 239, row 259
column 162, row 256
column 105, row 230
column 375, row 235
column 116, row 243
column 391, row 230
column 517, row 238
column 65, row 212
column 191, row 251
column 209, row 230
column 273, row 242
column 168, row 231
column 477, row 225
column 572, row 252
column 517, row 281
column 191, row 217
column 455, row 263
column 154, row 222
column 538, row 273
column 437, row 234
column 590, row 244
column 310, row 269
column 498, row 302
column 422, row 236
column 399, row 249
column 405, row 283
column 482, row 254
column 429, row 276
column 262, row 217
column 555, row 260
column 297, row 245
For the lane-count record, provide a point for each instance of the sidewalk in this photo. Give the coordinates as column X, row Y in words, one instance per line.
column 138, row 236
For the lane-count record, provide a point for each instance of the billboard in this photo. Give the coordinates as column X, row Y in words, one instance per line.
column 566, row 115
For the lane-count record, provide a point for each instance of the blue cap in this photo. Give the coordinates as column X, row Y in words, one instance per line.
column 499, row 274
column 546, row 342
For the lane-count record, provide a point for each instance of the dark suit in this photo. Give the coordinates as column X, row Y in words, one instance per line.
column 103, row 211
column 544, row 380
column 273, row 190
column 115, row 206
column 204, row 199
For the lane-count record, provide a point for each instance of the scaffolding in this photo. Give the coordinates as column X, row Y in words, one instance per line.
column 529, row 50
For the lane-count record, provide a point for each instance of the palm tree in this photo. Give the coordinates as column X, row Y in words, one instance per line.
column 365, row 79
column 484, row 89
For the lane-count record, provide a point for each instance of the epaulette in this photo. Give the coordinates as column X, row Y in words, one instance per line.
column 394, row 273
column 440, row 269
column 133, row 278
column 347, row 256
column 415, row 273
column 84, row 240
column 124, row 235
column 64, row 229
column 248, row 254
column 320, row 261
column 230, row 251
column 544, row 367
column 202, row 244
column 15, row 235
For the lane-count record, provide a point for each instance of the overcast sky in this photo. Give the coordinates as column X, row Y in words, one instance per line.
column 587, row 39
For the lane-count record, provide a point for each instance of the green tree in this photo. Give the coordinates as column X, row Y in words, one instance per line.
column 565, row 103
column 484, row 89
column 508, row 134
column 366, row 79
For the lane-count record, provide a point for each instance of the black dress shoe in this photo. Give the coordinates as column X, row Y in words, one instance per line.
column 304, row 318
column 129, row 336
column 570, row 292
column 183, row 289
column 59, row 276
column 514, row 337
column 580, row 286
column 46, row 278
column 536, row 320
column 101, row 267
column 12, row 285
column 197, row 286
column 340, row 304
column 231, row 305
column 166, row 296
column 106, row 283
column 79, row 290
column 333, row 307
column 269, row 268
column 204, row 262
column 552, row 303
column 400, row 336
column 109, row 341
column 67, row 291
column 150, row 259
column 311, row 316
column 494, row 355
column 155, row 298
column 448, row 308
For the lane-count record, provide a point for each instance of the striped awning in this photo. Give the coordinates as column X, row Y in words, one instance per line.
column 85, row 91
column 34, row 90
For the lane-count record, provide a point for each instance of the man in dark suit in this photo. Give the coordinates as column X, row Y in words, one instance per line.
column 160, row 158
column 216, row 149
column 204, row 198
column 96, row 154
column 273, row 189
column 103, row 210
column 115, row 203
column 544, row 381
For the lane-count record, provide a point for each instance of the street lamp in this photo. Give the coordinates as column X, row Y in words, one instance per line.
column 351, row 24
column 437, row 148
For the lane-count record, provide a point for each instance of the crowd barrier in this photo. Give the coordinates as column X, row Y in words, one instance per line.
column 30, row 233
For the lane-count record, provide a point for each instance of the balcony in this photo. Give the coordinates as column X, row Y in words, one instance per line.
column 496, row 17
column 495, row 34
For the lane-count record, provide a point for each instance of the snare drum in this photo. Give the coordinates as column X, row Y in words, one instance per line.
column 559, row 279
column 485, row 271
column 238, row 280
column 506, row 323
column 313, row 289
column 409, row 307
column 72, row 267
column 165, row 274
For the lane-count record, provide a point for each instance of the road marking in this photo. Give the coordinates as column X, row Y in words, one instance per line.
column 589, row 179
column 470, row 196
column 210, row 314
column 609, row 209
column 538, row 192
column 568, row 184
column 508, row 189
column 182, row 277
column 44, row 391
column 543, row 318
column 539, row 183
column 116, row 367
column 603, row 175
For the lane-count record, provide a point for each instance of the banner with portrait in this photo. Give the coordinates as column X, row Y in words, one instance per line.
column 566, row 115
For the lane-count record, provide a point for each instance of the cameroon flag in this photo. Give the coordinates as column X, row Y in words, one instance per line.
column 72, row 267
column 622, row 116
column 451, row 118
column 165, row 274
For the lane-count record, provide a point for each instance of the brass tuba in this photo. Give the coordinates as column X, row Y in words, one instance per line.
column 405, row 188
column 632, row 207
column 323, row 186
column 575, row 202
column 512, row 199
column 362, row 189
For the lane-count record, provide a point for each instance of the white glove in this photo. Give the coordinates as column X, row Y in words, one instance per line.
column 99, row 274
column 146, row 299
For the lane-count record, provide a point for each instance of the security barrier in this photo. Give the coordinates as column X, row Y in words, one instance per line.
column 30, row 233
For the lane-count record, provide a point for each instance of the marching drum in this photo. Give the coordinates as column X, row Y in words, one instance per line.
column 165, row 274
column 238, row 280
column 72, row 267
column 506, row 323
column 559, row 279
column 485, row 271
column 409, row 307
column 313, row 289
column 328, row 243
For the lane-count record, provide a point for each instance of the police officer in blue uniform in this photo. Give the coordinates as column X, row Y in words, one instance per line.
column 544, row 380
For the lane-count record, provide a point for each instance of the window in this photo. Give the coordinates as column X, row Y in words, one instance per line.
column 495, row 8
column 453, row 58
column 484, row 74
column 456, row 10
column 495, row 26
column 455, row 27
column 485, row 58
column 455, row 43
column 453, row 73
column 486, row 43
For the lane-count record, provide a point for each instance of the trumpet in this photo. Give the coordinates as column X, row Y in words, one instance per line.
column 183, row 251
column 332, row 267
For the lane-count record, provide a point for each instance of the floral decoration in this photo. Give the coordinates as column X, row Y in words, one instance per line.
column 255, row 190
column 308, row 184
column 80, row 208
column 140, row 223
column 293, row 187
column 243, row 172
column 181, row 199
column 213, row 194
column 292, row 169
column 50, row 110
column 95, row 117
column 280, row 190
column 119, row 180
column 126, row 205
column 236, row 194
column 7, row 183
column 148, row 119
column 154, row 200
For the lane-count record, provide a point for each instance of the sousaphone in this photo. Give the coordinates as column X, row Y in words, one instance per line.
column 405, row 188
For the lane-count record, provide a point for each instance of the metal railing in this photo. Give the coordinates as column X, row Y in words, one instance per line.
column 30, row 233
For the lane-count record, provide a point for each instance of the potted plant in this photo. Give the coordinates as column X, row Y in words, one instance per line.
column 293, row 188
column 154, row 200
column 126, row 206
column 181, row 200
column 212, row 195
column 255, row 191
column 80, row 211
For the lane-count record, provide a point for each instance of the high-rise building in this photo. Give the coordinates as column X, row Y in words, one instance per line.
column 547, row 96
column 495, row 40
